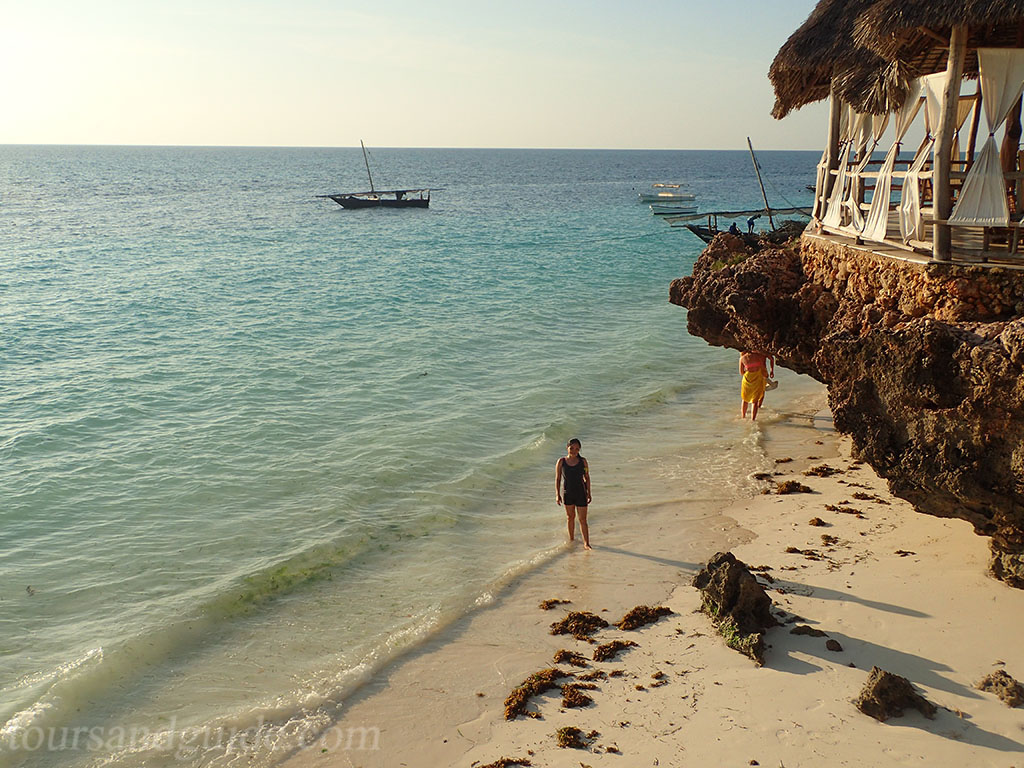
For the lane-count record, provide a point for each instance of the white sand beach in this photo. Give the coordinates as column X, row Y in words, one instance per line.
column 897, row 589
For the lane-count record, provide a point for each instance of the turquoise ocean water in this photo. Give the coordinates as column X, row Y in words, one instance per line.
column 252, row 446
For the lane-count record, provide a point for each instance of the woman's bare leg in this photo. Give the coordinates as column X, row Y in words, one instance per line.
column 743, row 412
column 570, row 514
column 757, row 406
column 583, row 527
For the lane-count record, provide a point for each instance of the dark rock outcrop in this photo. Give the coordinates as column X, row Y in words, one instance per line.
column 924, row 365
column 886, row 695
column 738, row 605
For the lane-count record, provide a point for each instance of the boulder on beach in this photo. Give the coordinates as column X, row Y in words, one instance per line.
column 737, row 603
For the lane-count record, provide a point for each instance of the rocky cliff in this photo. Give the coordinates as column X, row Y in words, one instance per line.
column 923, row 364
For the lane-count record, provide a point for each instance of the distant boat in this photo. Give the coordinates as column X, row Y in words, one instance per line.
column 377, row 198
column 666, row 193
column 673, row 209
column 707, row 233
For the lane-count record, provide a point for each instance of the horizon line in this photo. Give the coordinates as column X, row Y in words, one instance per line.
column 379, row 147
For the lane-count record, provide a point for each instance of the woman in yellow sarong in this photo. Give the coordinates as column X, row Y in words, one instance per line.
column 754, row 369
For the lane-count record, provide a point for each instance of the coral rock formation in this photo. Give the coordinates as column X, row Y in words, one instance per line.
column 736, row 603
column 886, row 695
column 923, row 364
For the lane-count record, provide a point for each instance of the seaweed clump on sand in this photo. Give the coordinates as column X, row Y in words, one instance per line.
column 736, row 603
column 822, row 470
column 573, row 695
column 791, row 486
column 534, row 685
column 611, row 650
column 505, row 762
column 641, row 616
column 1004, row 686
column 579, row 624
column 570, row 657
column 570, row 737
column 547, row 605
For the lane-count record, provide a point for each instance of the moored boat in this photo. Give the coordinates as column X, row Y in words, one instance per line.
column 376, row 198
column 396, row 198
column 666, row 193
column 673, row 209
column 708, row 232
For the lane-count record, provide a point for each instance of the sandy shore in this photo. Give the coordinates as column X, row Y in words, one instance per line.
column 897, row 589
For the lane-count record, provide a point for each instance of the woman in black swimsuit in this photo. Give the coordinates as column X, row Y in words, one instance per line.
column 575, row 472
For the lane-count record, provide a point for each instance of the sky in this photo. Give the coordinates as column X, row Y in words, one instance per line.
column 655, row 74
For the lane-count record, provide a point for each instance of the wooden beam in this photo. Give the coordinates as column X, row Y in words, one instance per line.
column 944, row 142
column 823, row 195
column 936, row 36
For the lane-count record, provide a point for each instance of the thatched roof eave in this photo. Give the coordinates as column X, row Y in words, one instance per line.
column 871, row 49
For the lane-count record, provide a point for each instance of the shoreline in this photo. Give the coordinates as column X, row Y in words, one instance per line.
column 495, row 647
column 899, row 590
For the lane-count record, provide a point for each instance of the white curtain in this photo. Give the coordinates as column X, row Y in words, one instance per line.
column 931, row 89
column 834, row 208
column 911, row 221
column 877, row 224
column 963, row 109
column 982, row 200
column 819, row 185
column 834, row 214
column 871, row 127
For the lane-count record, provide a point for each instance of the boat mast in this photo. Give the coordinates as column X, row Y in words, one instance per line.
column 371, row 176
column 763, row 195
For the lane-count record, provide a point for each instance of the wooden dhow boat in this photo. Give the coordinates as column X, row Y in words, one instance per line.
column 707, row 233
column 377, row 198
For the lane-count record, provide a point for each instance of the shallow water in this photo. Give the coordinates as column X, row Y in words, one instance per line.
column 254, row 446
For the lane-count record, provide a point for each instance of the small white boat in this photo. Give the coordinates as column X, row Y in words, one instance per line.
column 673, row 209
column 666, row 193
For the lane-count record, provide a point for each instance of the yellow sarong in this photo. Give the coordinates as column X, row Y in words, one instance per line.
column 753, row 386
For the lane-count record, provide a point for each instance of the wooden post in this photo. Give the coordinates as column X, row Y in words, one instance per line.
column 1011, row 142
column 974, row 128
column 943, row 202
column 822, row 196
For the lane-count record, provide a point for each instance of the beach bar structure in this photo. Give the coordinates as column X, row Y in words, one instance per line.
column 886, row 66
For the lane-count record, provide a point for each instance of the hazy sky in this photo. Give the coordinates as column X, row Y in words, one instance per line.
column 688, row 74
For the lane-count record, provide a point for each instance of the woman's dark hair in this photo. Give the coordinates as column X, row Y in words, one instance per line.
column 574, row 440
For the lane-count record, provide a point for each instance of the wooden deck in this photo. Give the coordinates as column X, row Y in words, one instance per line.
column 970, row 245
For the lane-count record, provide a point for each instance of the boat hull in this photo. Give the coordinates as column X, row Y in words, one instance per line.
column 348, row 201
column 673, row 210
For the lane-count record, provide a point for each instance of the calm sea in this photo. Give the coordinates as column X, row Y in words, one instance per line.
column 252, row 445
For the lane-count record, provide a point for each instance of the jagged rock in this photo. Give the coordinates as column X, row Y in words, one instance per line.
column 1004, row 686
column 886, row 695
column 924, row 365
column 736, row 603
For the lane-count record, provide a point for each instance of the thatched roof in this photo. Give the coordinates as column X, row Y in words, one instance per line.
column 917, row 31
column 803, row 68
column 873, row 48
